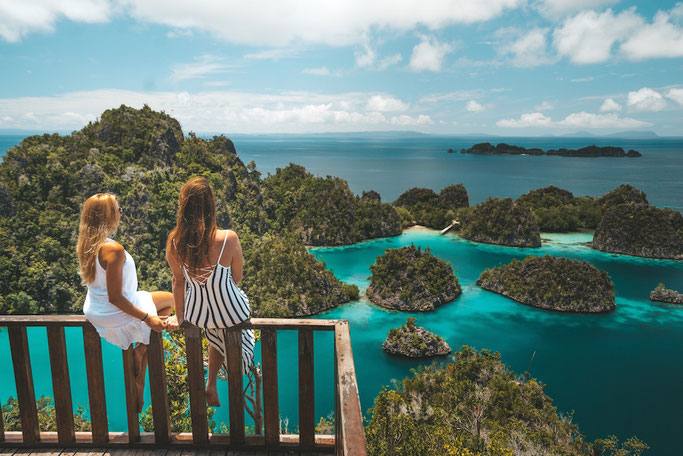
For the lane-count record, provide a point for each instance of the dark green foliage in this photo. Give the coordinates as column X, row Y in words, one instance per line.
column 323, row 211
column 474, row 405
column 501, row 221
column 414, row 341
column 621, row 195
column 421, row 206
column 141, row 156
column 546, row 197
column 640, row 230
column 455, row 196
column 557, row 210
column 46, row 416
column 411, row 279
column 552, row 283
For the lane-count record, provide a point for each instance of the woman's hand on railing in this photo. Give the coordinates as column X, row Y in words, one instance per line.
column 156, row 323
column 173, row 323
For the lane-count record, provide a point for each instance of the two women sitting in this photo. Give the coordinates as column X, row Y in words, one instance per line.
column 207, row 266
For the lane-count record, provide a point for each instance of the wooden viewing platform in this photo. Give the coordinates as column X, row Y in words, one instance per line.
column 348, row 439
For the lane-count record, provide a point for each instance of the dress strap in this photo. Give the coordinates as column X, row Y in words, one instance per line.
column 222, row 248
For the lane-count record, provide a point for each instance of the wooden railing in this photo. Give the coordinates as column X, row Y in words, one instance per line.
column 348, row 439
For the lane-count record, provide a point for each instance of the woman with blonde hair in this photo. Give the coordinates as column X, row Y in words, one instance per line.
column 207, row 266
column 121, row 314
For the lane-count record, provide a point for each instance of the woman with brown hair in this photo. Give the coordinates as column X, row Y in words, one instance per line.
column 207, row 266
column 121, row 314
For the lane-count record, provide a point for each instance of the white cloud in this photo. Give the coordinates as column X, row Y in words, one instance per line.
column 585, row 79
column 676, row 95
column 280, row 23
column 645, row 99
column 574, row 120
column 200, row 67
column 19, row 18
column 659, row 39
column 610, row 105
column 544, row 106
column 388, row 61
column 428, row 54
column 528, row 50
column 271, row 54
column 558, row 7
column 589, row 36
column 473, row 106
column 405, row 120
column 457, row 95
column 532, row 119
column 368, row 58
column 224, row 111
column 322, row 71
column 383, row 103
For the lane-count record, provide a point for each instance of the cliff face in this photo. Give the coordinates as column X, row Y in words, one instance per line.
column 411, row 280
column 640, row 230
column 502, row 222
column 414, row 341
column 665, row 295
column 552, row 283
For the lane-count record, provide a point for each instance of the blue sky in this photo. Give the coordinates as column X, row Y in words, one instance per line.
column 508, row 67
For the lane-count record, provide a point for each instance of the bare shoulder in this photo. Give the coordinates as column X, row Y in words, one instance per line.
column 111, row 247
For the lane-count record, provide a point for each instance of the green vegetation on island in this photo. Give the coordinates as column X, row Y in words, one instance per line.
column 324, row 211
column 502, row 222
column 143, row 157
column 623, row 194
column 414, row 341
column 640, row 230
column 552, row 283
column 589, row 151
column 557, row 210
column 663, row 294
column 422, row 206
column 477, row 406
column 411, row 280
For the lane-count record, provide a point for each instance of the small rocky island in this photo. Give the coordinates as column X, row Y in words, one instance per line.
column 414, row 341
column 411, row 280
column 423, row 206
column 640, row 230
column 507, row 149
column 501, row 222
column 663, row 294
column 552, row 283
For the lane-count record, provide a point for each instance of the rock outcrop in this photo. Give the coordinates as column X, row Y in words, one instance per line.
column 411, row 280
column 413, row 341
column 666, row 295
column 640, row 230
column 552, row 283
column 501, row 222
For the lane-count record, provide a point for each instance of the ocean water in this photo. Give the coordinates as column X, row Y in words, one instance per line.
column 620, row 373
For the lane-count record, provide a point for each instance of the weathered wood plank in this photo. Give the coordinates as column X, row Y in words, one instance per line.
column 350, row 416
column 131, row 391
column 254, row 323
column 271, row 401
column 158, row 391
column 61, row 386
column 306, row 389
column 233, row 350
column 195, row 383
column 95, row 373
column 2, row 429
column 23, row 377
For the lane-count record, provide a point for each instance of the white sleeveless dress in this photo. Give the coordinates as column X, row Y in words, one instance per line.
column 113, row 324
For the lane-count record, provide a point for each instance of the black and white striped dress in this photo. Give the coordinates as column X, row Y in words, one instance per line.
column 214, row 301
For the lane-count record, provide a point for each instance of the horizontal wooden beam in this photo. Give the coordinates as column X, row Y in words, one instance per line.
column 13, row 439
column 254, row 323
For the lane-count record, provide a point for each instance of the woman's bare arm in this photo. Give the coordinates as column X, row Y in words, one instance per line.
column 176, row 320
column 237, row 265
column 112, row 256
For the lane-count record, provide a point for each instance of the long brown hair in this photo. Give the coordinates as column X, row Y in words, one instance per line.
column 196, row 226
column 98, row 220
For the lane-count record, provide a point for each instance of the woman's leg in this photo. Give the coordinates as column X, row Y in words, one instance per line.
column 163, row 300
column 215, row 362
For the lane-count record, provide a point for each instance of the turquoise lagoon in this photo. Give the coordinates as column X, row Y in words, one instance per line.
column 620, row 373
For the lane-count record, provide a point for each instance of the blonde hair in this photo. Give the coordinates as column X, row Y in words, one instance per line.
column 98, row 220
column 196, row 224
